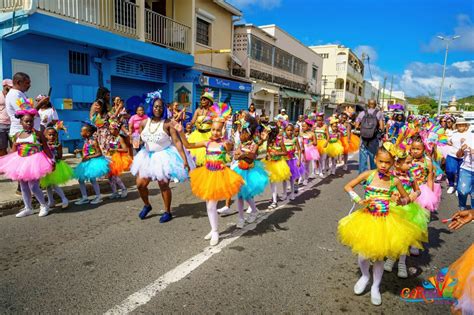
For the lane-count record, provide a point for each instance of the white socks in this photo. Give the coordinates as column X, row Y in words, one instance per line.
column 211, row 206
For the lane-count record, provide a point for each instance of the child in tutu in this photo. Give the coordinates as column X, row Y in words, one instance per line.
column 93, row 166
column 321, row 132
column 120, row 160
column 29, row 161
column 334, row 147
column 424, row 175
column 275, row 162
column 376, row 231
column 309, row 148
column 214, row 181
column 252, row 171
column 350, row 142
column 293, row 159
column 62, row 172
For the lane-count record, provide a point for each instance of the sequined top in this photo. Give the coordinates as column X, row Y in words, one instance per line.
column 275, row 148
column 290, row 145
column 380, row 197
column 320, row 133
column 215, row 157
column 203, row 123
column 88, row 148
column 28, row 146
column 419, row 170
column 406, row 178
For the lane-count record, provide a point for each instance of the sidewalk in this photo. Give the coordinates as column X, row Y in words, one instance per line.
column 10, row 202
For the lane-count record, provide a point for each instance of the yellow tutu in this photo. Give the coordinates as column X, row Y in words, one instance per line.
column 377, row 237
column 215, row 185
column 199, row 154
column 278, row 171
column 352, row 146
column 321, row 148
column 334, row 149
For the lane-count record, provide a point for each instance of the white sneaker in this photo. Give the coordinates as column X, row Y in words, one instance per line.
column 124, row 193
column 283, row 198
column 305, row 182
column 312, row 175
column 402, row 271
column 292, row 197
column 240, row 223
column 375, row 297
column 321, row 175
column 208, row 236
column 96, row 200
column 82, row 201
column 252, row 217
column 214, row 239
column 414, row 251
column 43, row 211
column 65, row 204
column 113, row 196
column 360, row 286
column 225, row 211
column 450, row 190
column 23, row 213
column 388, row 266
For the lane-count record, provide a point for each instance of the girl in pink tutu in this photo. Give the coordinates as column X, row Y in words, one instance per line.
column 30, row 160
column 293, row 159
column 424, row 175
column 309, row 149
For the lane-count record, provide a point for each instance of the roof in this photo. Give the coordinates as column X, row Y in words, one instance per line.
column 229, row 7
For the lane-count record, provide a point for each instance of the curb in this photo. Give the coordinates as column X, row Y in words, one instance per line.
column 71, row 191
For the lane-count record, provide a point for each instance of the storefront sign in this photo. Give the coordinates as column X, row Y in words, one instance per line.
column 226, row 84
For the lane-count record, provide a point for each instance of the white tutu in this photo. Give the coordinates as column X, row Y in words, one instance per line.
column 160, row 165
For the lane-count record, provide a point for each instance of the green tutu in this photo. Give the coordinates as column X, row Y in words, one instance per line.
column 417, row 215
column 61, row 175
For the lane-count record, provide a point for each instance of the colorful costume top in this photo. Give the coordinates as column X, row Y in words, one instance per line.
column 343, row 130
column 155, row 137
column 419, row 170
column 88, row 148
column 28, row 146
column 320, row 132
column 307, row 139
column 290, row 145
column 406, row 178
column 247, row 147
column 379, row 197
column 333, row 136
column 203, row 123
column 275, row 148
column 114, row 144
column 395, row 129
column 216, row 157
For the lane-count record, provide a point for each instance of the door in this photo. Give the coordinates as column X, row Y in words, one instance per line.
column 39, row 75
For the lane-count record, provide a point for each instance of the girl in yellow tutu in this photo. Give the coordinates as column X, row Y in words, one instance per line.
column 334, row 147
column 214, row 181
column 275, row 163
column 321, row 131
column 375, row 231
column 202, row 121
column 350, row 142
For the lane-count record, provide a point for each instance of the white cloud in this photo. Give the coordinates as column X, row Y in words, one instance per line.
column 464, row 28
column 463, row 66
column 367, row 50
column 263, row 4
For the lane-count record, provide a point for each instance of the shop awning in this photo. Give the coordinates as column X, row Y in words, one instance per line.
column 267, row 90
column 295, row 94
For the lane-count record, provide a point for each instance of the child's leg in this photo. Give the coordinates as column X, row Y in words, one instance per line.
column 36, row 190
column 292, row 187
column 96, row 187
column 375, row 296
column 26, row 194
column 211, row 206
column 120, row 183
column 364, row 266
column 240, row 208
column 82, row 187
column 252, row 205
column 113, row 184
column 273, row 187
column 345, row 158
column 285, row 187
column 49, row 190
column 60, row 193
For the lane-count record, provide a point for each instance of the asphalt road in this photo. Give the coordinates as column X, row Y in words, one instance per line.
column 91, row 260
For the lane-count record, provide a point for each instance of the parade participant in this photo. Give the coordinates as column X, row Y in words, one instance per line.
column 134, row 127
column 47, row 113
column 309, row 148
column 453, row 163
column 189, row 130
column 334, row 148
column 99, row 117
column 252, row 111
column 202, row 121
column 293, row 159
column 93, row 165
column 450, row 120
column 376, row 231
column 466, row 172
column 30, row 159
column 120, row 160
column 250, row 169
column 423, row 171
column 214, row 181
column 395, row 126
column 178, row 115
column 62, row 171
column 350, row 142
column 321, row 131
column 161, row 159
column 413, row 212
column 275, row 162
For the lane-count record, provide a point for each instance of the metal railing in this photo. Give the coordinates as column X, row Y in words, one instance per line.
column 164, row 31
column 9, row 5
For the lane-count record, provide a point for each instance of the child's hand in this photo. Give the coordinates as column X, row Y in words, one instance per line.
column 395, row 197
column 413, row 196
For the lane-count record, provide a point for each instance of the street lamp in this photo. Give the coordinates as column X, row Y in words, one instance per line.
column 447, row 40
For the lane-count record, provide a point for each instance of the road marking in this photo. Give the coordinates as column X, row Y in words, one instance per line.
column 144, row 295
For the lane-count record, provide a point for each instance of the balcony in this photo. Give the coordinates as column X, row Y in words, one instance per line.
column 356, row 75
column 118, row 16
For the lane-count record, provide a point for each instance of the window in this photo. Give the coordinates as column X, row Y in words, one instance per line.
column 325, row 56
column 314, row 74
column 283, row 60
column 299, row 67
column 261, row 50
column 202, row 32
column 78, row 63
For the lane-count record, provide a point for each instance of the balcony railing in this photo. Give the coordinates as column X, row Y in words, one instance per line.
column 118, row 16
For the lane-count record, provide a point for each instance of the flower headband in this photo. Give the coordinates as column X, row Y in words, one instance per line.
column 150, row 97
column 309, row 122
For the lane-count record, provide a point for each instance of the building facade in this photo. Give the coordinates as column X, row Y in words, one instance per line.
column 285, row 73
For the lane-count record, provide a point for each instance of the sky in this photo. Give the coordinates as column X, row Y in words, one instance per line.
column 400, row 37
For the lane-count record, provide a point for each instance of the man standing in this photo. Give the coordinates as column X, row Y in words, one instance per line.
column 7, row 84
column 370, row 122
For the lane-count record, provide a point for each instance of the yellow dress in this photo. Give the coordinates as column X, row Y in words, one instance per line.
column 334, row 148
column 277, row 168
column 320, row 134
column 200, row 134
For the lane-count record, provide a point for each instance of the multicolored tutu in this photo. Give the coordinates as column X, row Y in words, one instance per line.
column 25, row 168
column 376, row 237
column 199, row 154
column 62, row 174
column 334, row 149
column 278, row 171
column 352, row 146
column 255, row 180
column 414, row 213
column 430, row 199
column 92, row 169
column 321, row 148
column 119, row 163
column 159, row 165
column 215, row 185
column 462, row 271
column 311, row 153
column 296, row 172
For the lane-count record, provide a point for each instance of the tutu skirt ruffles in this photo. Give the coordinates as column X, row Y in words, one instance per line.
column 160, row 165
column 334, row 149
column 255, row 180
column 296, row 172
column 199, row 154
column 414, row 213
column 462, row 271
column 311, row 153
column 377, row 237
column 352, row 146
column 278, row 171
column 321, row 148
column 26, row 168
column 119, row 163
column 215, row 185
column 430, row 199
column 92, row 169
column 62, row 174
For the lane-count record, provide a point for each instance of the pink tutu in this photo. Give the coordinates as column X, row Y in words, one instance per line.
column 430, row 199
column 26, row 168
column 311, row 153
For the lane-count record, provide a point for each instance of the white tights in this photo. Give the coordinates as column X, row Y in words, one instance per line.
column 377, row 271
column 333, row 163
column 323, row 163
column 59, row 191
column 285, row 187
column 114, row 182
column 95, row 185
column 274, row 189
column 211, row 206
column 240, row 206
column 29, row 187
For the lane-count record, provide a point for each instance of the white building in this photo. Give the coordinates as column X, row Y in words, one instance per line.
column 387, row 98
column 286, row 73
column 371, row 90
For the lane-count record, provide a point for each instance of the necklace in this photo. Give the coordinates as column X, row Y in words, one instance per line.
column 156, row 128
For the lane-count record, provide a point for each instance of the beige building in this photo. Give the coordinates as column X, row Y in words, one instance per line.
column 343, row 75
column 285, row 73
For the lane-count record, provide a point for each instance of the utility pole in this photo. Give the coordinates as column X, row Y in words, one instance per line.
column 447, row 40
column 391, row 86
column 383, row 90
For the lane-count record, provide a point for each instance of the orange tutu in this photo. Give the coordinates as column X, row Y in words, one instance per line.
column 215, row 185
column 321, row 148
column 352, row 146
column 462, row 271
column 120, row 163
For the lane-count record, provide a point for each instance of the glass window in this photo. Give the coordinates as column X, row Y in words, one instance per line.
column 202, row 32
column 261, row 50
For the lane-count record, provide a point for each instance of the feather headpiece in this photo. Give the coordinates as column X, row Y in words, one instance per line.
column 220, row 111
column 26, row 106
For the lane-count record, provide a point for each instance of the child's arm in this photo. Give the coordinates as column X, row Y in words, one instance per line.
column 14, row 145
column 430, row 179
column 416, row 191
column 298, row 151
column 179, row 146
column 315, row 140
column 184, row 140
column 404, row 197
column 349, row 132
column 349, row 187
column 123, row 146
column 283, row 149
column 60, row 151
column 326, row 132
column 44, row 144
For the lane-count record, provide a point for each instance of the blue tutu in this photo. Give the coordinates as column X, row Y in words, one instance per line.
column 256, row 179
column 92, row 169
